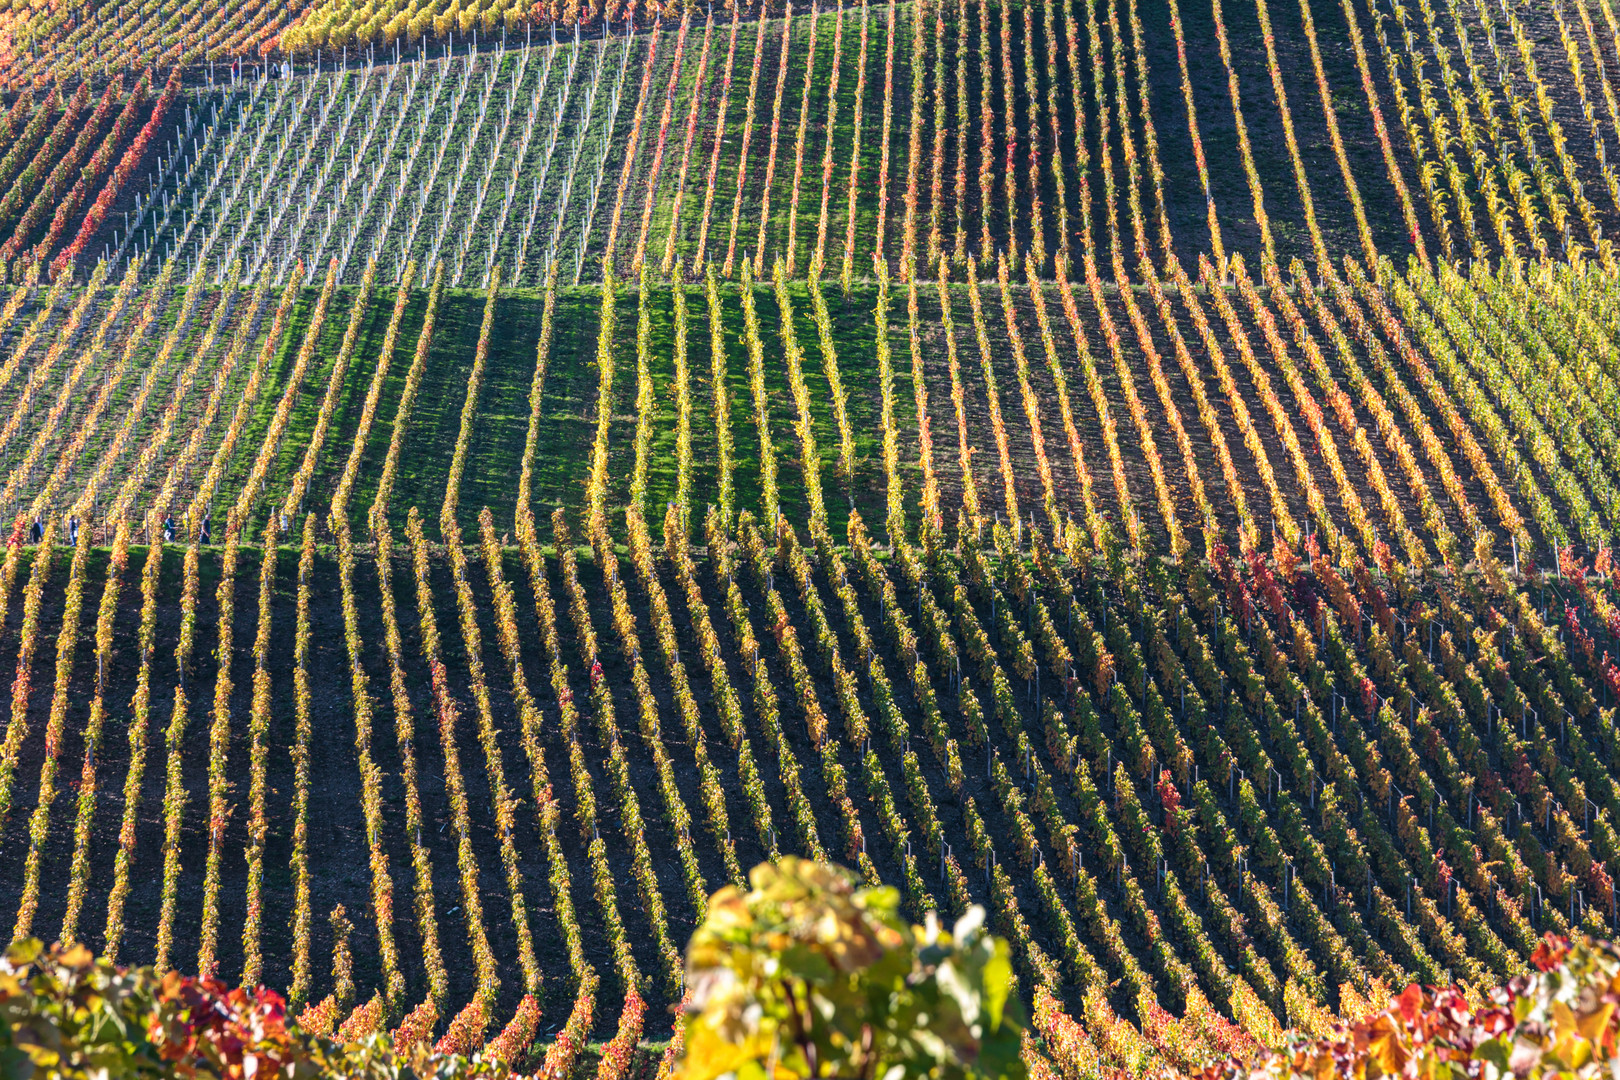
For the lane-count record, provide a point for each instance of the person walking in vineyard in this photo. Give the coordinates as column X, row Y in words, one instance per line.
column 37, row 532
column 73, row 531
column 168, row 528
column 202, row 534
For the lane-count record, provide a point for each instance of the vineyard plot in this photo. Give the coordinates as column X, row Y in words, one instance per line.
column 1225, row 416
column 904, row 792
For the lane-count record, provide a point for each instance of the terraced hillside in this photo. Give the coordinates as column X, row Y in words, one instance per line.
column 1147, row 467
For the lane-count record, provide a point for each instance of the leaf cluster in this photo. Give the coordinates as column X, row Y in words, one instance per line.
column 808, row 976
column 66, row 1014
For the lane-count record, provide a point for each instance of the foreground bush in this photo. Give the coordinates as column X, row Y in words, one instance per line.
column 1557, row 1021
column 66, row 1014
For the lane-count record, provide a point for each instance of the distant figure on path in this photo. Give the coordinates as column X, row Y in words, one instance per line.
column 168, row 528
column 73, row 531
column 38, row 531
column 203, row 534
